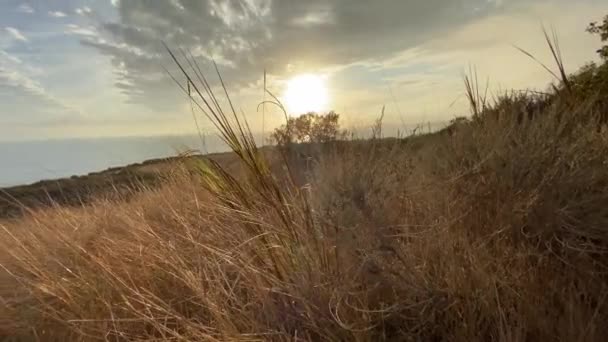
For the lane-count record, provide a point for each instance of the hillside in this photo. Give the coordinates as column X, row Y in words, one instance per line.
column 493, row 229
column 116, row 182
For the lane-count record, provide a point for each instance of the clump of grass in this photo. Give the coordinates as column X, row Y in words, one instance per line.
column 495, row 231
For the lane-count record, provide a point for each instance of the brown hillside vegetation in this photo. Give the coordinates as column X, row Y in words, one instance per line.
column 117, row 182
column 495, row 229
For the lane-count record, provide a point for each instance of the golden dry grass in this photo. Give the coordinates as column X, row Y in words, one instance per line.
column 493, row 230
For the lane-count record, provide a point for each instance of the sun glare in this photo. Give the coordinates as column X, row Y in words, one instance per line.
column 306, row 93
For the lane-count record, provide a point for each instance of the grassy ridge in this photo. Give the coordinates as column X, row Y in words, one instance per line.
column 119, row 183
column 493, row 229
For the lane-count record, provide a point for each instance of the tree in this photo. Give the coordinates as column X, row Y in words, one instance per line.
column 310, row 127
column 601, row 30
column 592, row 79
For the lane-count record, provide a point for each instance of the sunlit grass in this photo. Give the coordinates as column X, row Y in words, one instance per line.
column 493, row 229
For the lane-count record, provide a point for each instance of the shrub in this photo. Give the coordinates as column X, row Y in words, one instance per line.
column 309, row 128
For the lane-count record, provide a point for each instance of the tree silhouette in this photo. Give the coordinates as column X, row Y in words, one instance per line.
column 310, row 127
column 601, row 29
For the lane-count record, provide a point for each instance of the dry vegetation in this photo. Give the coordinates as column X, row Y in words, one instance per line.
column 495, row 229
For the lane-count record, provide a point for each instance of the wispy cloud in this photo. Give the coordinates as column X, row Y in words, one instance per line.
column 14, row 74
column 25, row 8
column 83, row 10
column 80, row 30
column 57, row 14
column 6, row 57
column 16, row 34
column 115, row 3
column 10, row 61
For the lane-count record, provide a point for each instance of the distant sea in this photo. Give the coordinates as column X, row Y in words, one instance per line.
column 26, row 162
column 30, row 161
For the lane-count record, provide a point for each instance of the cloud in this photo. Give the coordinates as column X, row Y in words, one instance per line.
column 23, row 95
column 8, row 58
column 25, row 8
column 428, row 78
column 83, row 10
column 77, row 30
column 57, row 14
column 407, row 54
column 16, row 34
column 247, row 36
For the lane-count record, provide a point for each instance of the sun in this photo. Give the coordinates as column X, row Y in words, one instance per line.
column 306, row 93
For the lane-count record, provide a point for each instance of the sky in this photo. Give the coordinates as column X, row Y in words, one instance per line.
column 84, row 68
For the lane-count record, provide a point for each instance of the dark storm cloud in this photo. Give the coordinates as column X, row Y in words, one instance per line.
column 248, row 36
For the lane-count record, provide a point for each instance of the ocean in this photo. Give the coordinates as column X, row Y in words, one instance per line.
column 30, row 161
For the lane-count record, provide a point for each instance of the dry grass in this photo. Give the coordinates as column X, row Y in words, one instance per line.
column 495, row 230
